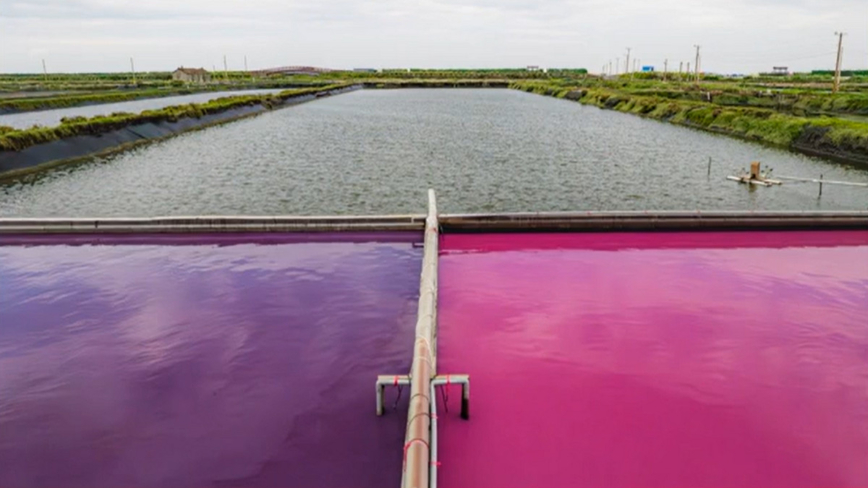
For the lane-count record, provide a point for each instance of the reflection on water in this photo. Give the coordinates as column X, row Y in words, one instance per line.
column 248, row 365
column 376, row 152
column 657, row 359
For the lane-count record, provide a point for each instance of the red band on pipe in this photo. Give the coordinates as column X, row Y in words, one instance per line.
column 410, row 443
column 396, row 381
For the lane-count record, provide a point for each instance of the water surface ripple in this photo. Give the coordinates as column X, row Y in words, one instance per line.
column 375, row 152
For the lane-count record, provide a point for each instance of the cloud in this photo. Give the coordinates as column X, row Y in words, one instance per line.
column 736, row 35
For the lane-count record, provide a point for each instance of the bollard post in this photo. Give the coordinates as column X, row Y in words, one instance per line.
column 709, row 166
column 821, row 187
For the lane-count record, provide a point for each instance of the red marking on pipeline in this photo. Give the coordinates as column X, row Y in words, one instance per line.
column 410, row 443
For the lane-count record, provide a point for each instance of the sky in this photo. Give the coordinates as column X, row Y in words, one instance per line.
column 736, row 36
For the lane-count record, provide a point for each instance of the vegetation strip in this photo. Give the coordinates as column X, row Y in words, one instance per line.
column 435, row 83
column 831, row 137
column 16, row 140
column 75, row 100
column 83, row 139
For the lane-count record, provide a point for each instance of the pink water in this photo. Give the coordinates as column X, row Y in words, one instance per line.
column 730, row 359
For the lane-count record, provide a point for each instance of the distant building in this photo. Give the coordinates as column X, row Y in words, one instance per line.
column 191, row 75
column 777, row 71
column 364, row 70
column 533, row 68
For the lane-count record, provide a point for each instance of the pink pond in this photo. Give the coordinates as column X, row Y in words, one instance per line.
column 670, row 359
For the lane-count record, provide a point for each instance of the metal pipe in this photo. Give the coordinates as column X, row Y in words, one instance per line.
column 417, row 442
column 506, row 221
column 458, row 379
column 822, row 181
column 384, row 381
column 217, row 223
column 657, row 214
column 646, row 221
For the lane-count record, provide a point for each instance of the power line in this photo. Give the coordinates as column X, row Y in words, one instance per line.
column 764, row 58
column 788, row 48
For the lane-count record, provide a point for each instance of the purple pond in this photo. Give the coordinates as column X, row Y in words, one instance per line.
column 216, row 363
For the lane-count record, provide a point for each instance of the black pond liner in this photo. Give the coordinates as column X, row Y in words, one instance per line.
column 80, row 147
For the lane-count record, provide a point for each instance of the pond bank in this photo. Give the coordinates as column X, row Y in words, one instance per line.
column 837, row 139
column 380, row 84
column 833, row 138
column 27, row 151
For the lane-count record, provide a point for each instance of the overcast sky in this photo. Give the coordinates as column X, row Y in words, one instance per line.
column 742, row 36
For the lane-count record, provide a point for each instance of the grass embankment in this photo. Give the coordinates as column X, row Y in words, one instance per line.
column 16, row 140
column 434, row 83
column 826, row 136
column 73, row 100
column 126, row 81
column 798, row 102
column 24, row 104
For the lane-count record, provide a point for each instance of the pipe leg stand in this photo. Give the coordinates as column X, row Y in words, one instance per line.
column 380, row 399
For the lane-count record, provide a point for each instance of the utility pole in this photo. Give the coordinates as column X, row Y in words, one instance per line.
column 225, row 70
column 688, row 70
column 697, row 62
column 610, row 67
column 44, row 71
column 665, row 69
column 627, row 64
column 617, row 66
column 837, row 84
column 133, row 69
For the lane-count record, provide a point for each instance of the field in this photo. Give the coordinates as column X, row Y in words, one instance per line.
column 799, row 112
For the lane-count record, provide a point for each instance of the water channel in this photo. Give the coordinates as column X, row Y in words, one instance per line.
column 374, row 152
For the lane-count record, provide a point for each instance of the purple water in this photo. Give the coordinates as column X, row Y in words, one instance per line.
column 715, row 359
column 217, row 364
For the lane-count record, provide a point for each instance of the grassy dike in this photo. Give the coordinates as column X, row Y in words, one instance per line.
column 792, row 101
column 389, row 83
column 79, row 139
column 18, row 105
column 17, row 140
column 828, row 137
column 28, row 104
